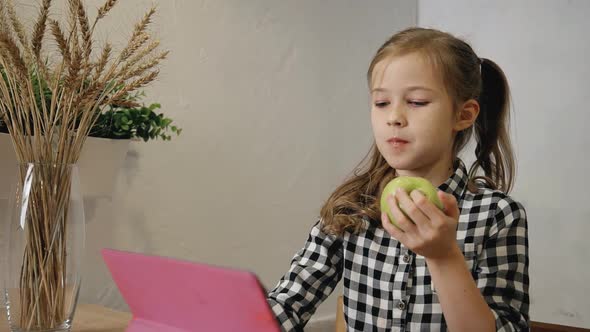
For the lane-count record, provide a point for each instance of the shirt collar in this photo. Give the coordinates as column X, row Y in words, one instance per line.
column 457, row 182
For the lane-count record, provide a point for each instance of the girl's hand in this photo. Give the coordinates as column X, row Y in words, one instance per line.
column 433, row 233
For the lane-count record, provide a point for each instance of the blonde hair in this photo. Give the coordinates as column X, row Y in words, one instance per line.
column 466, row 76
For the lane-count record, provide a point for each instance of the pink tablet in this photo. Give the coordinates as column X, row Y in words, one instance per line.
column 167, row 294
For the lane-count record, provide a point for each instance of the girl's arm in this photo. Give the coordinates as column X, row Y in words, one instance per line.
column 461, row 301
column 315, row 270
column 503, row 267
column 498, row 299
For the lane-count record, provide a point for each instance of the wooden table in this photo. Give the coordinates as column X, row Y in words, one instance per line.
column 90, row 318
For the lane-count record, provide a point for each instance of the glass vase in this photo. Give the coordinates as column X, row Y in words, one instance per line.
column 45, row 247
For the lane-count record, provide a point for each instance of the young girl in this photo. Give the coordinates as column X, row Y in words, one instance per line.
column 464, row 268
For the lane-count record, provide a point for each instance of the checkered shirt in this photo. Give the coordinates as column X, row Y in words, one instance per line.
column 389, row 288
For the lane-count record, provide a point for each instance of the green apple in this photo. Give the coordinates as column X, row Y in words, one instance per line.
column 409, row 184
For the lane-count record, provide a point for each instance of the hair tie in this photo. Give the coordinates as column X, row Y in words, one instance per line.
column 480, row 63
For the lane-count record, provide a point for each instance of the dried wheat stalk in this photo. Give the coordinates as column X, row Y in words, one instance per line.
column 52, row 131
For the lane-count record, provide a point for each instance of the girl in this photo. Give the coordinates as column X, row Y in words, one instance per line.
column 464, row 268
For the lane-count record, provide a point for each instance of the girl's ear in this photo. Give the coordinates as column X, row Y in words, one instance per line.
column 467, row 115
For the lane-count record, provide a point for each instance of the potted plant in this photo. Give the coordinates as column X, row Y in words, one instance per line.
column 117, row 125
column 107, row 144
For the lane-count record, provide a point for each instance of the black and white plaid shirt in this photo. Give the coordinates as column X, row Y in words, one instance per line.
column 388, row 288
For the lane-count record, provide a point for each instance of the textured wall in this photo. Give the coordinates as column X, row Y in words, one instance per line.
column 273, row 103
column 543, row 48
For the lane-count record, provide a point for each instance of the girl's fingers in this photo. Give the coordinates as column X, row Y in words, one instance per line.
column 401, row 220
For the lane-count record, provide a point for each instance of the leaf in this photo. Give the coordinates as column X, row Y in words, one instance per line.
column 118, row 121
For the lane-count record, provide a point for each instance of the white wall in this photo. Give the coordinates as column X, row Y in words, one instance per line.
column 273, row 104
column 543, row 47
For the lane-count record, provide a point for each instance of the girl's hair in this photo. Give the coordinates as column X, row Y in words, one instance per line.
column 466, row 76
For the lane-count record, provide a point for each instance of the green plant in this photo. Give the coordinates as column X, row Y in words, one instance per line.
column 125, row 118
column 134, row 122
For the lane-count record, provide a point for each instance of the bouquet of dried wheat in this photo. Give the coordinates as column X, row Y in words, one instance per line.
column 49, row 101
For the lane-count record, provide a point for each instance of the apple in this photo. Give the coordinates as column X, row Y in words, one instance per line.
column 409, row 184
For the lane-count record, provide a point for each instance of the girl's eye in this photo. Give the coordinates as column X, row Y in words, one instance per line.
column 381, row 104
column 418, row 103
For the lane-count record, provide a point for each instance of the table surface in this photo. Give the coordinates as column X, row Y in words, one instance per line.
column 89, row 318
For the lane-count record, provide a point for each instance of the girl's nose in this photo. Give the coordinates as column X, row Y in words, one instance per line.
column 396, row 119
column 397, row 123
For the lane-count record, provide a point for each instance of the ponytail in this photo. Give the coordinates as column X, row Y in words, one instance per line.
column 494, row 154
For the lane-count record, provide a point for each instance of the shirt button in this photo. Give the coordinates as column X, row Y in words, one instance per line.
column 401, row 305
column 406, row 258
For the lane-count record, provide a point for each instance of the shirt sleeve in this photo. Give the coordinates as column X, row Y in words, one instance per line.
column 314, row 272
column 503, row 267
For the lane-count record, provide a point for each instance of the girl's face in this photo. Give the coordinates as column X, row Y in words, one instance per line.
column 412, row 116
